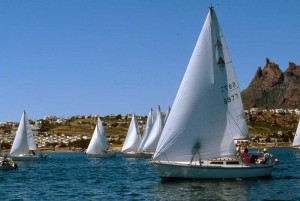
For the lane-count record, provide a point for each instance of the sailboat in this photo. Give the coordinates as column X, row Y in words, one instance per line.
column 7, row 164
column 154, row 135
column 167, row 115
column 296, row 141
column 132, row 140
column 24, row 146
column 197, row 141
column 98, row 147
column 148, row 126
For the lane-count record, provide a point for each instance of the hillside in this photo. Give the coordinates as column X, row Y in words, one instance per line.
column 272, row 88
column 115, row 128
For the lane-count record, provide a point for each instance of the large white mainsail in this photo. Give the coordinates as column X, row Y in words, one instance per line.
column 206, row 113
column 133, row 137
column 296, row 141
column 148, row 126
column 98, row 142
column 155, row 133
column 24, row 139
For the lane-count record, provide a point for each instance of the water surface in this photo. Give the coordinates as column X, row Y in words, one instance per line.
column 72, row 176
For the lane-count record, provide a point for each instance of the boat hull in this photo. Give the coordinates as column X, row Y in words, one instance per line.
column 178, row 171
column 102, row 155
column 146, row 155
column 7, row 167
column 26, row 157
column 132, row 155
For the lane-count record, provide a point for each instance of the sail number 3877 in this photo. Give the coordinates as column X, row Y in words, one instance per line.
column 231, row 98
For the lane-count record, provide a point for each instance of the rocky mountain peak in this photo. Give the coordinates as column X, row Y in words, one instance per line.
column 272, row 88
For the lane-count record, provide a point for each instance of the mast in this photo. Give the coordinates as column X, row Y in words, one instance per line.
column 207, row 112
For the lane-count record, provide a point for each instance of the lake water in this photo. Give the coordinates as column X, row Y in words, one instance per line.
column 71, row 176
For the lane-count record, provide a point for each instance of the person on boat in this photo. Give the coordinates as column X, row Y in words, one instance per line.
column 245, row 156
column 238, row 149
column 266, row 156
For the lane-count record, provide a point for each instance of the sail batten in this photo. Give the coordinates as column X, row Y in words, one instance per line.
column 207, row 113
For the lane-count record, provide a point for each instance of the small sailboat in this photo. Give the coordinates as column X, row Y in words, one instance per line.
column 98, row 147
column 132, row 140
column 24, row 146
column 148, row 126
column 7, row 164
column 197, row 141
column 296, row 141
column 154, row 135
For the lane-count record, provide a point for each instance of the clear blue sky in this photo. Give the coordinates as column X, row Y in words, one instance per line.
column 70, row 57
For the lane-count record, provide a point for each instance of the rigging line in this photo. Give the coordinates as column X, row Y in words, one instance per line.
column 236, row 122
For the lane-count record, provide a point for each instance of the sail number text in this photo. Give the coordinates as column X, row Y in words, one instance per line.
column 230, row 86
column 231, row 98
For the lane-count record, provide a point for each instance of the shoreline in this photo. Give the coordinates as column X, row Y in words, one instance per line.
column 117, row 149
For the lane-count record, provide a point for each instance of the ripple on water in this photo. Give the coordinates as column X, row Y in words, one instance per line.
column 72, row 176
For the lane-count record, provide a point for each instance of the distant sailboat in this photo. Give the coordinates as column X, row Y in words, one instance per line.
column 132, row 140
column 98, row 147
column 148, row 126
column 207, row 115
column 24, row 146
column 296, row 141
column 154, row 134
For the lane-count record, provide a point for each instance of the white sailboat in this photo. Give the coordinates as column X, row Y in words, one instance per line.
column 149, row 124
column 98, row 147
column 154, row 135
column 296, row 141
column 197, row 141
column 24, row 146
column 132, row 140
column 167, row 115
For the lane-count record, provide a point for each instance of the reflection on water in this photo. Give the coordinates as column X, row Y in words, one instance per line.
column 203, row 189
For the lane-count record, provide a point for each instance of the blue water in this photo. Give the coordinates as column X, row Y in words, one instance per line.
column 71, row 176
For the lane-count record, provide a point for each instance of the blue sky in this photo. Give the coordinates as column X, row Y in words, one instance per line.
column 70, row 57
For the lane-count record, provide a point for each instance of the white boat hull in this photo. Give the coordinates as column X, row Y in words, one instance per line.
column 185, row 171
column 29, row 157
column 102, row 155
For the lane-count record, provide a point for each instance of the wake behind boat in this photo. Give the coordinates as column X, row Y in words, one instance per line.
column 197, row 141
column 24, row 147
column 98, row 147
